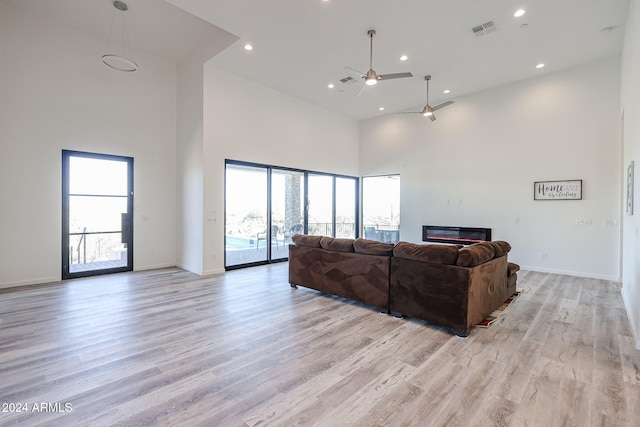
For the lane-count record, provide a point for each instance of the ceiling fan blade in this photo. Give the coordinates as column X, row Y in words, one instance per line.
column 394, row 76
column 361, row 89
column 410, row 112
column 432, row 117
column 444, row 104
column 354, row 70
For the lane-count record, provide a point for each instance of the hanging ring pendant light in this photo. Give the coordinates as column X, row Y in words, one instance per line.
column 120, row 62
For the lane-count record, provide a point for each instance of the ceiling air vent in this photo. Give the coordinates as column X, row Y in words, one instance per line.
column 348, row 80
column 483, row 29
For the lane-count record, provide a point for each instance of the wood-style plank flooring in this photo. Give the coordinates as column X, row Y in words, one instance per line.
column 167, row 347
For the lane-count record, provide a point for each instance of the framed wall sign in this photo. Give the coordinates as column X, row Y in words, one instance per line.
column 557, row 190
column 629, row 209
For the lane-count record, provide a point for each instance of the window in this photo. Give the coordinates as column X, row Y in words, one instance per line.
column 381, row 208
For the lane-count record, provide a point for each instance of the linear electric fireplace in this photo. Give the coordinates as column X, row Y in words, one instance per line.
column 460, row 235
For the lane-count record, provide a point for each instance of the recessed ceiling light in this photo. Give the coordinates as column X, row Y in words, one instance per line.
column 540, row 65
column 446, row 91
column 381, row 108
column 248, row 46
column 404, row 58
column 330, row 86
column 519, row 13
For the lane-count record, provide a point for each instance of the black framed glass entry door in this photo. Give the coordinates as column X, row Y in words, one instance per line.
column 97, row 214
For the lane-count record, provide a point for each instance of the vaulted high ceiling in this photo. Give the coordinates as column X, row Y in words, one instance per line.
column 302, row 46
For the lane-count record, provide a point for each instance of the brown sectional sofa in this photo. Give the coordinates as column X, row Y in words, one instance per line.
column 449, row 285
column 358, row 270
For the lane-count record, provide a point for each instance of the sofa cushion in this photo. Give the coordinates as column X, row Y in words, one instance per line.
column 372, row 247
column 476, row 254
column 501, row 247
column 304, row 240
column 338, row 245
column 512, row 268
column 437, row 254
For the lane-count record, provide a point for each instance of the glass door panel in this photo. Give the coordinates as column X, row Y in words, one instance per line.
column 287, row 209
column 97, row 219
column 320, row 205
column 246, row 219
column 346, row 207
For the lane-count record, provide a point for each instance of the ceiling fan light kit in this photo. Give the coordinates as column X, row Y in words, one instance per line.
column 119, row 62
column 428, row 110
column 371, row 77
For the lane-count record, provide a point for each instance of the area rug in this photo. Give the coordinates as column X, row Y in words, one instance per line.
column 497, row 313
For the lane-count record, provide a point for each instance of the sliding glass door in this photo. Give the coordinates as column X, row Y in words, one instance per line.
column 97, row 214
column 266, row 205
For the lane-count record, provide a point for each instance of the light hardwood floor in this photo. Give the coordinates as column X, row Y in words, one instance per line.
column 168, row 347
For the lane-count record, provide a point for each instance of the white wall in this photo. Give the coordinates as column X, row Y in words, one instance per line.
column 630, row 103
column 248, row 122
column 190, row 152
column 56, row 94
column 476, row 165
column 189, row 165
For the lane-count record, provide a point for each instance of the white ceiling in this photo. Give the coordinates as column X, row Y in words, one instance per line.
column 300, row 46
column 154, row 26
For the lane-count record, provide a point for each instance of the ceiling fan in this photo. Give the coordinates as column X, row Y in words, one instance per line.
column 371, row 77
column 428, row 110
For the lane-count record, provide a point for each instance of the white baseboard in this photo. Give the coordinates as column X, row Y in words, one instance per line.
column 29, row 282
column 214, row 272
column 155, row 267
column 189, row 269
column 43, row 280
column 571, row 273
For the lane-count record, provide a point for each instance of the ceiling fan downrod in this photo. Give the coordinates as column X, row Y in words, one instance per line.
column 427, row 109
column 371, row 78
